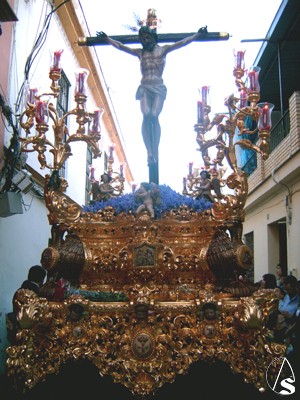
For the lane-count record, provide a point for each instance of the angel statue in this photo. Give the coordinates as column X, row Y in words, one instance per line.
column 103, row 191
column 149, row 195
column 206, row 185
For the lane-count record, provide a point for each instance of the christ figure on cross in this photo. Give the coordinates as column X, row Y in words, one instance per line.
column 151, row 91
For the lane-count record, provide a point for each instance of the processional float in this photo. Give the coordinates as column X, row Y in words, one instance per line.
column 138, row 284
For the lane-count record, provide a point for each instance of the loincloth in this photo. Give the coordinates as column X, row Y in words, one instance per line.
column 151, row 90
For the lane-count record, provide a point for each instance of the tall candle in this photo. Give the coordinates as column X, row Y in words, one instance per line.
column 251, row 77
column 190, row 168
column 200, row 114
column 32, row 94
column 243, row 98
column 40, row 111
column 96, row 120
column 204, row 91
column 265, row 117
column 122, row 166
column 56, row 61
column 133, row 187
column 92, row 176
column 265, row 111
column 111, row 150
column 81, row 77
column 253, row 84
column 240, row 59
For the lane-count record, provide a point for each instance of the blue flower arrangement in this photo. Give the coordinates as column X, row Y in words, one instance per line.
column 170, row 199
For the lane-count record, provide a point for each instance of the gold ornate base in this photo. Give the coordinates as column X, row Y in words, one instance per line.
column 182, row 304
column 142, row 346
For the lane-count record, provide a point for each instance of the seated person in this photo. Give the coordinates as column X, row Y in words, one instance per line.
column 287, row 308
column 35, row 279
column 292, row 334
column 280, row 276
column 268, row 281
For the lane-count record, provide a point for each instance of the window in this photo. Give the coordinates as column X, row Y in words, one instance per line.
column 89, row 161
column 62, row 106
column 63, row 97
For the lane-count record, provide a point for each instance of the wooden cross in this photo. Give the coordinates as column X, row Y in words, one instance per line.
column 162, row 38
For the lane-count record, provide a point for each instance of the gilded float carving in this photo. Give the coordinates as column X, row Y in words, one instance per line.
column 137, row 344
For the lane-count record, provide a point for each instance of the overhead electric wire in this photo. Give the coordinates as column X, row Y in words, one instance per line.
column 12, row 155
column 36, row 49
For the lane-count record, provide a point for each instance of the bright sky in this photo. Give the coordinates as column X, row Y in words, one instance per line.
column 187, row 69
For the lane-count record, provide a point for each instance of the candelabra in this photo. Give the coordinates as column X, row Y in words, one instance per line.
column 35, row 122
column 229, row 127
column 116, row 179
column 193, row 183
column 40, row 109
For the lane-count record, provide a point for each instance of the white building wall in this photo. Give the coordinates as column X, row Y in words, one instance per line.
column 263, row 217
column 293, row 233
column 261, row 220
column 274, row 198
column 23, row 237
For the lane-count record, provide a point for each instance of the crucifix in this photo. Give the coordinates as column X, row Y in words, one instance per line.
column 151, row 91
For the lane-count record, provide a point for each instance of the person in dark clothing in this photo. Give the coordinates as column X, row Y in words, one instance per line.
column 292, row 334
column 35, row 279
column 287, row 308
column 269, row 281
column 280, row 276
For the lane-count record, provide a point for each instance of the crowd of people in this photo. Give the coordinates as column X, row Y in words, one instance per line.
column 284, row 322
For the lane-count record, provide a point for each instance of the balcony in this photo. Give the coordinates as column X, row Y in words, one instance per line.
column 284, row 145
column 278, row 133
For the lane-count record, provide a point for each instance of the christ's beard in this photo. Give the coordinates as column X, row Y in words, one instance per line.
column 149, row 46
